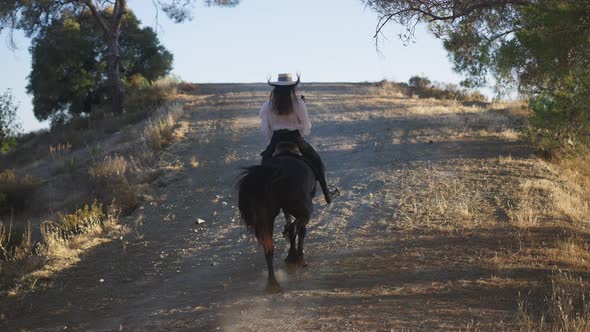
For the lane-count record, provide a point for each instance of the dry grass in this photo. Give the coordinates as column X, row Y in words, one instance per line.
column 525, row 213
column 16, row 193
column 460, row 120
column 572, row 202
column 58, row 151
column 444, row 202
column 111, row 183
column 63, row 240
column 103, row 146
column 159, row 131
column 194, row 162
column 230, row 158
column 115, row 162
column 565, row 307
column 572, row 251
column 505, row 160
column 545, row 197
column 110, row 166
column 564, row 196
column 69, row 235
column 384, row 89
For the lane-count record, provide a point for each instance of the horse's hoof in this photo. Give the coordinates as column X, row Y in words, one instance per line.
column 300, row 262
column 291, row 259
column 273, row 288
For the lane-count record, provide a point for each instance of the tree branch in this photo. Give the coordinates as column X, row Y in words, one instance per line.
column 99, row 19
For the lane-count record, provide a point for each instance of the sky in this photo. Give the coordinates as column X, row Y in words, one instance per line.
column 323, row 40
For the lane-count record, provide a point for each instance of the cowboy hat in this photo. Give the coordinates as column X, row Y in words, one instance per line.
column 284, row 79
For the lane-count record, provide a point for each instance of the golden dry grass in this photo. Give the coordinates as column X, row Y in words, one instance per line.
column 111, row 166
column 527, row 210
column 59, row 151
column 194, row 162
column 159, row 131
column 230, row 158
column 114, row 156
column 64, row 239
column 565, row 308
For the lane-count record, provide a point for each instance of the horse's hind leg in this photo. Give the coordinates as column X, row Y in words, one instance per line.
column 301, row 231
column 272, row 285
column 265, row 237
column 290, row 234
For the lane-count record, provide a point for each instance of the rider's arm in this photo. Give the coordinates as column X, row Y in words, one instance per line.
column 303, row 117
column 265, row 120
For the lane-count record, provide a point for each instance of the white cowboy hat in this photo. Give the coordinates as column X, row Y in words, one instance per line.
column 284, row 79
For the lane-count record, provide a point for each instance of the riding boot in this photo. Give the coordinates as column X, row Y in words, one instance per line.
column 326, row 191
column 321, row 176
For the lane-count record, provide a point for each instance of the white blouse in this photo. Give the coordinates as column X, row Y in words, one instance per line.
column 297, row 120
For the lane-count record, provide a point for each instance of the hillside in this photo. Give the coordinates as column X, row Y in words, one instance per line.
column 446, row 221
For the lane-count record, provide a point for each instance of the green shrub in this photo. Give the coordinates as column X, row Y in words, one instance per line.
column 81, row 220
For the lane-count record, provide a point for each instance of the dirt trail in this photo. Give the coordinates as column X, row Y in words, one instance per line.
column 378, row 258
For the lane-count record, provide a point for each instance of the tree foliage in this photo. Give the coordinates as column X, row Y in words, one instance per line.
column 69, row 67
column 539, row 46
column 32, row 16
column 9, row 126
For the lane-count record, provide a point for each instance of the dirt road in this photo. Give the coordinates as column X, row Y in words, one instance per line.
column 412, row 243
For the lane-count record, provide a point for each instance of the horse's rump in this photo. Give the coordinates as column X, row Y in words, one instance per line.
column 286, row 183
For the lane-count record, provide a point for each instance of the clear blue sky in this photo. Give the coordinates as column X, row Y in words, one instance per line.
column 325, row 41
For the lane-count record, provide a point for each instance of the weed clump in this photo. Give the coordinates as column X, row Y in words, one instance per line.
column 16, row 193
column 25, row 258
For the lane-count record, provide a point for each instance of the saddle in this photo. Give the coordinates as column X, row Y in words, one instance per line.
column 287, row 148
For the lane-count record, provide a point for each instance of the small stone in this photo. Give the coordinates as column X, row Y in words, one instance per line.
column 101, row 280
column 224, row 203
column 199, row 221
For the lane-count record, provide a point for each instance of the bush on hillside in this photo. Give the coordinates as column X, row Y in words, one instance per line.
column 16, row 194
column 9, row 126
column 422, row 87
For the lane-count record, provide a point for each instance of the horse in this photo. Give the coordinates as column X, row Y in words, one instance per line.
column 285, row 182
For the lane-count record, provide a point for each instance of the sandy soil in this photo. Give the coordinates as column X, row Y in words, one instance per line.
column 409, row 246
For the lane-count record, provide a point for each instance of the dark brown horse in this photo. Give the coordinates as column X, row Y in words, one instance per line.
column 284, row 182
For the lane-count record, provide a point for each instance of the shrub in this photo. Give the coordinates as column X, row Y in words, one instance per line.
column 424, row 88
column 9, row 127
column 144, row 97
column 81, row 220
column 184, row 87
column 15, row 194
column 560, row 125
column 160, row 132
column 62, row 240
column 111, row 184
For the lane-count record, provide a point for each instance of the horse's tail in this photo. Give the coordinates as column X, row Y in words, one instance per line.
column 254, row 187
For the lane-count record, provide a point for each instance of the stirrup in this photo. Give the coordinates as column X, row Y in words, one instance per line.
column 335, row 192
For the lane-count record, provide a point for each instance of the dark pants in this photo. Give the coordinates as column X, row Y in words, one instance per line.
column 309, row 153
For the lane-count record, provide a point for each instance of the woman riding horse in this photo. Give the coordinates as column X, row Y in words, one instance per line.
column 284, row 118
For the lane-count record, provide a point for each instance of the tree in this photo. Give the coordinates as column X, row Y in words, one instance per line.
column 68, row 74
column 9, row 127
column 539, row 46
column 33, row 15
